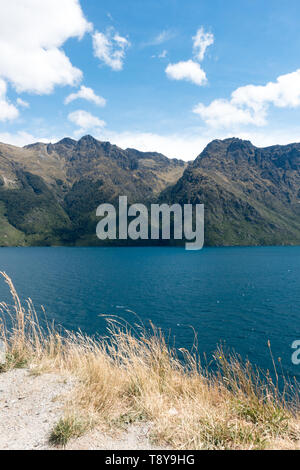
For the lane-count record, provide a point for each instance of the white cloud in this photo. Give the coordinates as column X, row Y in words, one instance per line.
column 88, row 94
column 31, row 36
column 190, row 143
column 160, row 38
column 173, row 146
column 163, row 54
column 202, row 41
column 110, row 48
column 188, row 70
column 85, row 121
column 186, row 145
column 22, row 138
column 250, row 104
column 22, row 103
column 223, row 113
column 8, row 111
column 285, row 92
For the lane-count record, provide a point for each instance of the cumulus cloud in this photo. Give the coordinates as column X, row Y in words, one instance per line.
column 8, row 111
column 110, row 48
column 201, row 41
column 85, row 121
column 223, row 113
column 285, row 92
column 188, row 70
column 250, row 104
column 88, row 94
column 31, row 36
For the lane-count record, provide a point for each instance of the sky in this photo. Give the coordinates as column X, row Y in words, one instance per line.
column 156, row 75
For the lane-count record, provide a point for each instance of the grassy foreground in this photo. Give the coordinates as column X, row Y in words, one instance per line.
column 133, row 376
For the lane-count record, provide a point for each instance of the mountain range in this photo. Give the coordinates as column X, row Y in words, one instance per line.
column 49, row 192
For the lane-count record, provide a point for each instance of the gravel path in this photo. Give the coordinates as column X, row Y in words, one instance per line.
column 29, row 408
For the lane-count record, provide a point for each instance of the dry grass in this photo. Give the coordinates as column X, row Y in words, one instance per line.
column 133, row 376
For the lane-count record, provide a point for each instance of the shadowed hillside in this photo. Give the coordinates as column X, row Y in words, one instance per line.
column 251, row 195
column 49, row 192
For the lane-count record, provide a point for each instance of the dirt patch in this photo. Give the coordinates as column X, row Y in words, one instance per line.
column 136, row 437
column 29, row 408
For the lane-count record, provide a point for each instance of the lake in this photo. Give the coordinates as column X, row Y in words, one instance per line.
column 241, row 296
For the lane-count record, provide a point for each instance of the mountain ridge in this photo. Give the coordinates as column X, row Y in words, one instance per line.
column 49, row 192
column 251, row 194
column 80, row 175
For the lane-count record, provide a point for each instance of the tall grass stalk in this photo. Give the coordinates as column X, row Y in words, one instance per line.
column 132, row 375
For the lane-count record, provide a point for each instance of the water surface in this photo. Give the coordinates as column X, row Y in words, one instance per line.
column 243, row 296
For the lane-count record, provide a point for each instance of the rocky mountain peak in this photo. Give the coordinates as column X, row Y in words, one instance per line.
column 224, row 149
column 88, row 140
column 67, row 141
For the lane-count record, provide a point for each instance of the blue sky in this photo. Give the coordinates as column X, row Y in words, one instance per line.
column 162, row 75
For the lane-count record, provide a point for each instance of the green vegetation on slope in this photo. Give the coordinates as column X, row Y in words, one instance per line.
column 9, row 235
column 33, row 214
column 50, row 193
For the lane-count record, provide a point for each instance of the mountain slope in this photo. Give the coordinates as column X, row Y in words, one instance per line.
column 49, row 192
column 251, row 195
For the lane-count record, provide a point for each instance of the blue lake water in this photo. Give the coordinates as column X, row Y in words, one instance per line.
column 243, row 296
